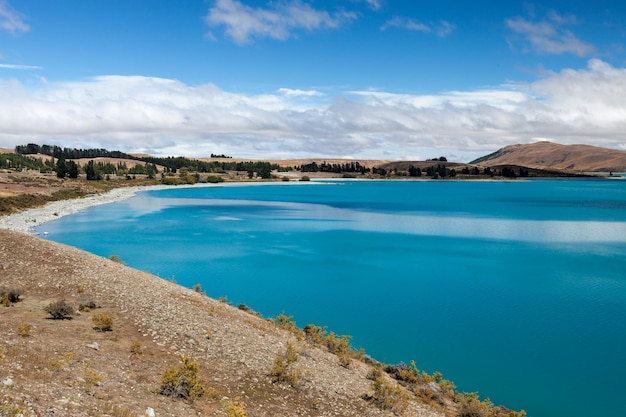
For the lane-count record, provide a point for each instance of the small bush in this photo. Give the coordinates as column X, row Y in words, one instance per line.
column 87, row 305
column 214, row 179
column 136, row 348
column 60, row 310
column 388, row 397
column 305, row 178
column 182, row 381
column 339, row 345
column 102, row 322
column 374, row 373
column 24, row 330
column 287, row 323
column 235, row 408
column 117, row 259
column 315, row 334
column 471, row 406
column 283, row 370
column 92, row 378
column 9, row 295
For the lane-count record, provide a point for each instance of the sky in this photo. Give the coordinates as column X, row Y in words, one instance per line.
column 280, row 79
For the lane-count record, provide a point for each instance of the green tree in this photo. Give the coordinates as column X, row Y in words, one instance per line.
column 92, row 172
column 72, row 169
column 61, row 168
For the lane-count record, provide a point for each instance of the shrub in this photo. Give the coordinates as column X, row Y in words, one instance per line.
column 338, row 345
column 235, row 408
column 92, row 378
column 24, row 329
column 135, row 348
column 305, row 178
column 285, row 322
column 87, row 305
column 182, row 381
column 315, row 334
column 198, row 288
column 283, row 370
column 387, row 397
column 471, row 406
column 214, row 179
column 60, row 310
column 9, row 295
column 374, row 373
column 117, row 259
column 102, row 322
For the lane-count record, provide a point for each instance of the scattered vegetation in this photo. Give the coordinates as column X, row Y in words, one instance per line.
column 182, row 381
column 471, row 406
column 60, row 310
column 102, row 322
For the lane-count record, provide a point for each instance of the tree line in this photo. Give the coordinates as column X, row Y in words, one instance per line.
column 170, row 164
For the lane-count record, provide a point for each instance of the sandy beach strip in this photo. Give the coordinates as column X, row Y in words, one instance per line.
column 26, row 221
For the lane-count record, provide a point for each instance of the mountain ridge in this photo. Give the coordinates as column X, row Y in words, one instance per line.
column 542, row 155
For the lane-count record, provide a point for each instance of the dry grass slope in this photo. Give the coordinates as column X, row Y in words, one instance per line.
column 66, row 367
column 582, row 158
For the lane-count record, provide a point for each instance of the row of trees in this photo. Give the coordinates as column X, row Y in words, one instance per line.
column 69, row 153
column 349, row 167
column 170, row 164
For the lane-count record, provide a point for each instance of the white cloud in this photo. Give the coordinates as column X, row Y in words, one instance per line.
column 278, row 21
column 299, row 93
column 168, row 117
column 550, row 35
column 441, row 28
column 11, row 20
column 19, row 67
column 374, row 4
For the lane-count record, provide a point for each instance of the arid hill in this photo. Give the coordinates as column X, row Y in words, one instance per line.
column 549, row 155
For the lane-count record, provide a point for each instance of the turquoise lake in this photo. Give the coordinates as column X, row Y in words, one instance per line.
column 514, row 289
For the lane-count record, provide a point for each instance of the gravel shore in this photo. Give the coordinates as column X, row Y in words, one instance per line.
column 26, row 221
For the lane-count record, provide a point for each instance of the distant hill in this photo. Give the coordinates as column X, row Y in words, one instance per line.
column 551, row 155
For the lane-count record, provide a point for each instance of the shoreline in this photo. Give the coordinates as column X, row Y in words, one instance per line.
column 25, row 221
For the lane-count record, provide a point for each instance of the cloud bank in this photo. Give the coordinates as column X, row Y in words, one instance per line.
column 167, row 117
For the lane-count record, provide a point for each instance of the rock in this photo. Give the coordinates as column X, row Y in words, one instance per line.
column 94, row 345
column 7, row 382
column 150, row 412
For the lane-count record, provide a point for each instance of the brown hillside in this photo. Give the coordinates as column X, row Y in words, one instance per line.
column 47, row 367
column 551, row 155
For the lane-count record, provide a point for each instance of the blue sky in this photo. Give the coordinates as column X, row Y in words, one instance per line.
column 378, row 79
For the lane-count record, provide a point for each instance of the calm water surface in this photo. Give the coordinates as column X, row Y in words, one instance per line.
column 516, row 290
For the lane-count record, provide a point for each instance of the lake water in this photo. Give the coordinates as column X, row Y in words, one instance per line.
column 516, row 289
